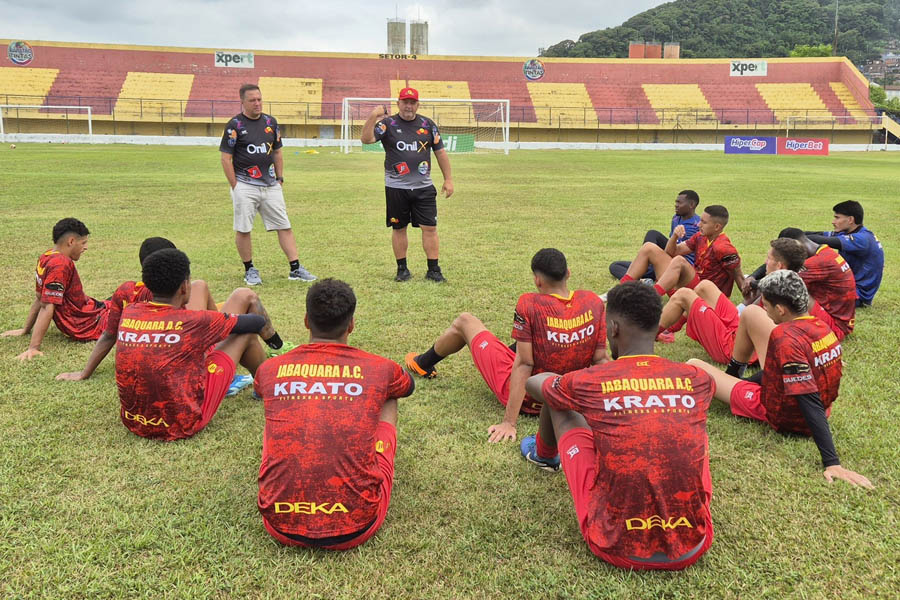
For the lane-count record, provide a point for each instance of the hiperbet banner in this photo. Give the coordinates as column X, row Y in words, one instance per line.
column 454, row 142
column 736, row 144
column 814, row 146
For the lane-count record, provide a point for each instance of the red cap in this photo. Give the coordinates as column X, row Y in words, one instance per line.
column 407, row 93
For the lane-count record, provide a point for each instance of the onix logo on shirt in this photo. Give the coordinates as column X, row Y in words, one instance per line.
column 411, row 146
column 309, row 508
column 265, row 148
column 657, row 521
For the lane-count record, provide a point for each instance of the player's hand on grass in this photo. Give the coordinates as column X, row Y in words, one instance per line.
column 29, row 354
column 501, row 431
column 838, row 472
column 447, row 188
column 747, row 285
column 74, row 376
column 12, row 332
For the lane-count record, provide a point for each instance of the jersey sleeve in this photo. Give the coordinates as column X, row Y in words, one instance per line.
column 796, row 373
column 217, row 326
column 854, row 243
column 559, row 392
column 600, row 312
column 380, row 130
column 729, row 257
column 814, row 270
column 402, row 383
column 277, row 145
column 521, row 331
column 56, row 280
column 229, row 138
column 116, row 305
column 437, row 143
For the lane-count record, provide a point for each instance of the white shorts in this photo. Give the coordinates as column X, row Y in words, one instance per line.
column 268, row 201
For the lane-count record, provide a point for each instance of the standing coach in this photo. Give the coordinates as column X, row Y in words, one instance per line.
column 254, row 167
column 409, row 192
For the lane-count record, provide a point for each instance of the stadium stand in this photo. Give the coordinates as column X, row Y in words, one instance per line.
column 134, row 89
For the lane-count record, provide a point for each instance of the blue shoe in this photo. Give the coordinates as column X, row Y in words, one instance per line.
column 238, row 383
column 529, row 451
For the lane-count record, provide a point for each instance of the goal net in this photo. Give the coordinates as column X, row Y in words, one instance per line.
column 79, row 114
column 465, row 124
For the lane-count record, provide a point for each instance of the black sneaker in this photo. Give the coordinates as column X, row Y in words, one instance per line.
column 403, row 275
column 435, row 276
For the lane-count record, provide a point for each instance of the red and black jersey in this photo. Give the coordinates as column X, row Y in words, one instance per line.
column 803, row 357
column 161, row 367
column 77, row 315
column 319, row 476
column 127, row 293
column 830, row 281
column 648, row 418
column 715, row 260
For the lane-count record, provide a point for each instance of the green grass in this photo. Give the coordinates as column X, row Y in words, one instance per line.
column 88, row 510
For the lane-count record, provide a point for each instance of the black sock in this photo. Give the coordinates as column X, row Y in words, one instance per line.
column 427, row 360
column 248, row 264
column 274, row 342
column 401, row 263
column 295, row 264
column 432, row 264
column 735, row 368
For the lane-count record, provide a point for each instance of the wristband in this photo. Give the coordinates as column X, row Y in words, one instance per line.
column 279, row 179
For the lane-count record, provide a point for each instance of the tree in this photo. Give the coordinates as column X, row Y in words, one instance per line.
column 805, row 50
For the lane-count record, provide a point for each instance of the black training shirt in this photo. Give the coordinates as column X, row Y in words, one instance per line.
column 407, row 150
column 252, row 142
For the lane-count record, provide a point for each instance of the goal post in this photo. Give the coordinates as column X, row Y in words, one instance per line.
column 21, row 111
column 465, row 124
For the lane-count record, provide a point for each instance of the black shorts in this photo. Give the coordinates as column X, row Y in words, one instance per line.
column 416, row 206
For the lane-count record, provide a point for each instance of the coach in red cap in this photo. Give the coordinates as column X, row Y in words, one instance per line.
column 408, row 139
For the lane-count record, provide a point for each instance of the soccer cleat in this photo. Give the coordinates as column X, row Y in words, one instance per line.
column 414, row 367
column 529, row 451
column 403, row 274
column 665, row 337
column 251, row 277
column 238, row 383
column 285, row 347
column 435, row 276
column 648, row 282
column 301, row 274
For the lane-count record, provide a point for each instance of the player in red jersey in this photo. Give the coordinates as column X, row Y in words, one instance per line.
column 716, row 259
column 331, row 431
column 129, row 293
column 633, row 441
column 58, row 293
column 830, row 281
column 555, row 330
column 171, row 379
column 712, row 320
column 801, row 358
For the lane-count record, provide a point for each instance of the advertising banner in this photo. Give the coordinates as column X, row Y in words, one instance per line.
column 749, row 68
column 736, row 144
column 818, row 147
column 233, row 58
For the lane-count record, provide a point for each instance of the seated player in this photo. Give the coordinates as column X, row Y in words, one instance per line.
column 633, row 441
column 58, row 293
column 685, row 204
column 858, row 246
column 171, row 380
column 716, row 258
column 131, row 292
column 712, row 320
column 801, row 358
column 555, row 330
column 331, row 431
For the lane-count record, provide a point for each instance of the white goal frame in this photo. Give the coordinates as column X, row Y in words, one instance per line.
column 90, row 119
column 347, row 125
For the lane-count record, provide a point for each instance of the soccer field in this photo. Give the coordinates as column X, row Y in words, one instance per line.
column 88, row 510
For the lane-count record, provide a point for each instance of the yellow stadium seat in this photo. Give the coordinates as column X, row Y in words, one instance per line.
column 566, row 104
column 281, row 95
column 444, row 114
column 848, row 100
column 22, row 85
column 153, row 96
column 797, row 100
column 676, row 102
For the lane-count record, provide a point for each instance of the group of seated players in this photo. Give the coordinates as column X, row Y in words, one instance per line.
column 331, row 409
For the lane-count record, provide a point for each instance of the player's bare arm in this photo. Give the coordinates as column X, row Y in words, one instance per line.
column 29, row 320
column 444, row 163
column 41, row 325
column 535, row 384
column 278, row 163
column 228, row 167
column 600, row 356
column 523, row 365
column 101, row 349
column 368, row 129
column 738, row 277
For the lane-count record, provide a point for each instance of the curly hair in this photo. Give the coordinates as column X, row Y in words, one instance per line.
column 330, row 304
column 786, row 288
column 638, row 303
column 151, row 245
column 165, row 270
column 551, row 263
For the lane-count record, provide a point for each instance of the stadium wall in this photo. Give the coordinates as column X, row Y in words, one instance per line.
column 147, row 90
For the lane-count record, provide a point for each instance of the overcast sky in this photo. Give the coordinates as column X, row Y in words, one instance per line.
column 479, row 27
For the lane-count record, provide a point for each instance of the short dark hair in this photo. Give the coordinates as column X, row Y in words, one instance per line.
column 789, row 252
column 151, row 245
column 248, row 87
column 639, row 304
column 69, row 225
column 330, row 304
column 165, row 270
column 718, row 212
column 851, row 208
column 551, row 263
column 793, row 233
column 691, row 195
column 786, row 288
